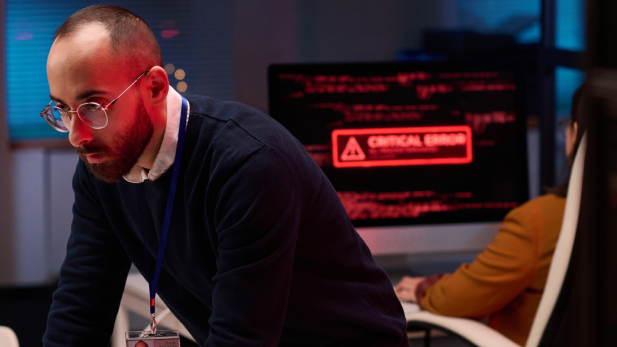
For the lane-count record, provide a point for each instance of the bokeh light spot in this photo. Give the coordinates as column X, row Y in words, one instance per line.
column 181, row 86
column 180, row 74
column 169, row 33
column 169, row 68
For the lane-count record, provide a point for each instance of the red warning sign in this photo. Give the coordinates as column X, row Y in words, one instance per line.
column 401, row 146
column 352, row 151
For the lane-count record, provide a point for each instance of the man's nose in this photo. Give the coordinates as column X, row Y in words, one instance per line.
column 79, row 133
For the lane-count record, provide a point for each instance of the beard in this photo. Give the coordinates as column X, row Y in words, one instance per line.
column 129, row 146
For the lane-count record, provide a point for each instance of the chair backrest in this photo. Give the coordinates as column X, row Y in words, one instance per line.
column 8, row 337
column 563, row 249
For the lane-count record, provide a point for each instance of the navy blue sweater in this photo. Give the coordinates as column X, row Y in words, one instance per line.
column 260, row 250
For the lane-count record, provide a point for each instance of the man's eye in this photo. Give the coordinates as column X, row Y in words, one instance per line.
column 64, row 108
column 93, row 107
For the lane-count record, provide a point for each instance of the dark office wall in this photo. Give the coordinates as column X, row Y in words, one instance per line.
column 319, row 31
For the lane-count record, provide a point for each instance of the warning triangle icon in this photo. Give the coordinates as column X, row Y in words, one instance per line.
column 352, row 151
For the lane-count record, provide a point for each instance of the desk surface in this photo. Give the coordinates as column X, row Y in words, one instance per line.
column 422, row 239
column 409, row 308
column 138, row 293
column 137, row 296
column 136, row 299
column 137, row 286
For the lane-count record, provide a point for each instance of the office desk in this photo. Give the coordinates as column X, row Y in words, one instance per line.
column 409, row 308
column 136, row 298
column 425, row 239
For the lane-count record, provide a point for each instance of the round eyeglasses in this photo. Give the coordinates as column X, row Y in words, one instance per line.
column 92, row 114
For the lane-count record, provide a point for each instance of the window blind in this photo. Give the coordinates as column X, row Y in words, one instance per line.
column 194, row 36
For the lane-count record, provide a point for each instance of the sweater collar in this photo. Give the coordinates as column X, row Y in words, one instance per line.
column 167, row 153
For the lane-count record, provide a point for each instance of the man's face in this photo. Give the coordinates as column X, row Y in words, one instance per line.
column 82, row 68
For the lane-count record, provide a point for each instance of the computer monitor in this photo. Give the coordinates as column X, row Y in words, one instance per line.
column 425, row 157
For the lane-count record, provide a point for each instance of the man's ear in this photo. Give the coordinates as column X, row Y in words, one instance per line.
column 155, row 86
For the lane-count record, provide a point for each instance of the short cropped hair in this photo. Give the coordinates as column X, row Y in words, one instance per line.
column 132, row 39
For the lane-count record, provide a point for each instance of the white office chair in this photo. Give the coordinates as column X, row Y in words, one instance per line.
column 481, row 335
column 8, row 337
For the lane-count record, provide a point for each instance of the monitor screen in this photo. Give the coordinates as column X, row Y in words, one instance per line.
column 409, row 144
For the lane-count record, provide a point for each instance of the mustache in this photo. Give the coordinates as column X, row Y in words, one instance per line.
column 87, row 149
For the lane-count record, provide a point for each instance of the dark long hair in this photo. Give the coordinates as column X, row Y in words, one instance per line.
column 578, row 115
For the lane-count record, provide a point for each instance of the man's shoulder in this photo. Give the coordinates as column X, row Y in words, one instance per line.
column 223, row 110
column 232, row 124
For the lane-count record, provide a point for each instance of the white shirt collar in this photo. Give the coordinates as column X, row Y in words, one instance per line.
column 167, row 153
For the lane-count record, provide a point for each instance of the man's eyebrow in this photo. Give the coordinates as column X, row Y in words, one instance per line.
column 57, row 100
column 89, row 93
column 83, row 95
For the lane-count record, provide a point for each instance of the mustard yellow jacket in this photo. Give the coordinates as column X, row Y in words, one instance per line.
column 505, row 281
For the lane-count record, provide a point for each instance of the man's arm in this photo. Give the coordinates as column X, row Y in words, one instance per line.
column 92, row 276
column 257, row 216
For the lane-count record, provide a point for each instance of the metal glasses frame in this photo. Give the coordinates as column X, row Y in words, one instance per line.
column 67, row 113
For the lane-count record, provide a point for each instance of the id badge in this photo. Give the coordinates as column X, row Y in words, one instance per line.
column 161, row 338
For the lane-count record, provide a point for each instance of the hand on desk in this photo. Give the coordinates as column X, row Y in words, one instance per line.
column 406, row 288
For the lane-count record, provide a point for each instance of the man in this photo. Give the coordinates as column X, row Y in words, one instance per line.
column 260, row 251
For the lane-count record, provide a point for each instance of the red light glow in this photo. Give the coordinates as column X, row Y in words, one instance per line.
column 401, row 146
column 169, row 33
column 392, row 205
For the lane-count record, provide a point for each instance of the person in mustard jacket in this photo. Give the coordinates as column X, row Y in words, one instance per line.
column 505, row 281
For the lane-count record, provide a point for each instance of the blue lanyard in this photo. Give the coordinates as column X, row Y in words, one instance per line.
column 170, row 204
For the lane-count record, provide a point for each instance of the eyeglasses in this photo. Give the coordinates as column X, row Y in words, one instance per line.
column 92, row 114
